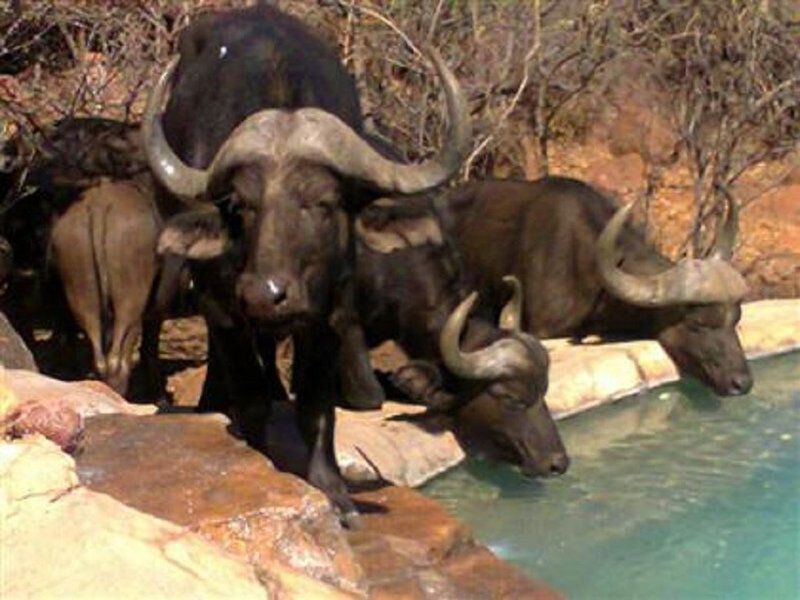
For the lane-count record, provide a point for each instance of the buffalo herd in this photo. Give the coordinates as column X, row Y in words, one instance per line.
column 251, row 174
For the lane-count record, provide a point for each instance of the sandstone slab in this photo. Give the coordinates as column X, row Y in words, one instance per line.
column 33, row 466
column 770, row 326
column 411, row 548
column 189, row 470
column 31, row 403
column 390, row 444
column 87, row 398
column 60, row 540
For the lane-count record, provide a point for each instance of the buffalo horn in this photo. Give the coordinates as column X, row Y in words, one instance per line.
column 690, row 281
column 312, row 135
column 511, row 315
column 503, row 358
column 180, row 179
column 319, row 137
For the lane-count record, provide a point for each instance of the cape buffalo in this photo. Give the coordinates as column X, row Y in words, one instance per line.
column 586, row 272
column 262, row 135
column 409, row 288
column 104, row 250
column 48, row 208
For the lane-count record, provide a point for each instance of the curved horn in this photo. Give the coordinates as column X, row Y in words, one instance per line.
column 503, row 358
column 180, row 179
column 690, row 281
column 511, row 315
column 726, row 237
column 317, row 136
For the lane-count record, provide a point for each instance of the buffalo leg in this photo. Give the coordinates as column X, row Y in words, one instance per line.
column 75, row 262
column 235, row 383
column 314, row 382
column 120, row 354
column 421, row 383
column 360, row 388
column 149, row 362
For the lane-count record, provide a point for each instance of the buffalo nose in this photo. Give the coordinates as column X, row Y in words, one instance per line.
column 741, row 383
column 559, row 463
column 276, row 289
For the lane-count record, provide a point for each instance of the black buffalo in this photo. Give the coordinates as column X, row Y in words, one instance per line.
column 586, row 272
column 262, row 135
column 409, row 288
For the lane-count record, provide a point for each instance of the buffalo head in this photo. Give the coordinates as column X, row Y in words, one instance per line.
column 282, row 182
column 510, row 410
column 698, row 303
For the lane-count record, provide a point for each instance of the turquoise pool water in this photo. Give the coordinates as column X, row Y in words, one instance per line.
column 673, row 494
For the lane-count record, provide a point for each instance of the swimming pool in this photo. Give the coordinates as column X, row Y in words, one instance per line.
column 671, row 494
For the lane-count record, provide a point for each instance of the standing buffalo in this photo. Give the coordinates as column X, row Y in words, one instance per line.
column 585, row 272
column 409, row 288
column 262, row 135
column 65, row 216
column 104, row 250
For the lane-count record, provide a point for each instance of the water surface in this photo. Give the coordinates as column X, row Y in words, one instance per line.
column 671, row 494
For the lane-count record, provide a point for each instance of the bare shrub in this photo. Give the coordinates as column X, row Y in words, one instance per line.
column 67, row 59
column 733, row 72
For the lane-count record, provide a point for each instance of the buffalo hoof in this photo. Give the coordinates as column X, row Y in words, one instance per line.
column 351, row 520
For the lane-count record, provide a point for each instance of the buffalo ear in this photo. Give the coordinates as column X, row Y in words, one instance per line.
column 196, row 235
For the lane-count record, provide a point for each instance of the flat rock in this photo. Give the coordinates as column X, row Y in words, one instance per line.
column 389, row 444
column 87, row 398
column 770, row 326
column 189, row 470
column 33, row 466
column 31, row 403
column 61, row 540
column 411, row 548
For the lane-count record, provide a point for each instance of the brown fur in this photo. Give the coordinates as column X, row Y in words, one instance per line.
column 545, row 233
column 103, row 248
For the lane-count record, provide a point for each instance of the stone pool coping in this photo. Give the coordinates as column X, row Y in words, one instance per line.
column 584, row 376
column 387, row 445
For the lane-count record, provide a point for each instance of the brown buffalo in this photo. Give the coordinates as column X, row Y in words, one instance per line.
column 40, row 179
column 586, row 272
column 104, row 251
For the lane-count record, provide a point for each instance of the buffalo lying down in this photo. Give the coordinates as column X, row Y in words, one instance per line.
column 585, row 271
column 409, row 288
column 262, row 136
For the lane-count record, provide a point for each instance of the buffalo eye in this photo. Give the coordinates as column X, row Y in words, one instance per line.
column 694, row 326
column 509, row 400
column 235, row 213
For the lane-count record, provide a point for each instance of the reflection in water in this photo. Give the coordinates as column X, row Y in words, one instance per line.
column 671, row 494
